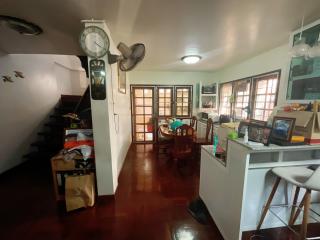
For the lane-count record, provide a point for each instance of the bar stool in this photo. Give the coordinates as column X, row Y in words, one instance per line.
column 301, row 177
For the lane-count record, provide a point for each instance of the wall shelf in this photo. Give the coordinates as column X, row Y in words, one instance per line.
column 208, row 97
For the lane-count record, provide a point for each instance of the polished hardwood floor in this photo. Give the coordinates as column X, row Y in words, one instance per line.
column 150, row 203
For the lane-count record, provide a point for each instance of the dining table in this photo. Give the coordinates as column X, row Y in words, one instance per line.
column 169, row 133
column 166, row 131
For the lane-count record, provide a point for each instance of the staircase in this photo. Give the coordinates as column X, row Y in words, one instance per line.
column 51, row 139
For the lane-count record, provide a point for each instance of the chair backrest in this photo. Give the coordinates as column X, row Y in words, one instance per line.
column 209, row 137
column 193, row 122
column 183, row 139
column 313, row 182
column 184, row 131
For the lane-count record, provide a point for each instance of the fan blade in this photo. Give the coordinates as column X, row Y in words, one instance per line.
column 138, row 52
column 125, row 50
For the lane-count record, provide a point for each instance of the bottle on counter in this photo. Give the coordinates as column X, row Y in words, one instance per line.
column 215, row 143
column 246, row 136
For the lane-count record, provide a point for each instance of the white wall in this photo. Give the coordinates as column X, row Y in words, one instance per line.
column 171, row 78
column 274, row 59
column 111, row 120
column 26, row 103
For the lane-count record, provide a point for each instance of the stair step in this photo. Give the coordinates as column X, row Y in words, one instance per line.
column 53, row 134
column 39, row 155
column 64, row 110
column 47, row 145
column 56, row 116
column 56, row 124
column 52, row 142
column 70, row 99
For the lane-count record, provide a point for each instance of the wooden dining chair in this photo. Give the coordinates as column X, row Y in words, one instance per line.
column 183, row 142
column 194, row 122
column 208, row 139
column 164, row 145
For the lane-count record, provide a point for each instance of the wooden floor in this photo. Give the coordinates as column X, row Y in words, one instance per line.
column 150, row 203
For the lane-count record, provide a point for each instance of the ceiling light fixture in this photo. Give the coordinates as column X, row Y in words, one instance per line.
column 300, row 47
column 191, row 59
column 21, row 25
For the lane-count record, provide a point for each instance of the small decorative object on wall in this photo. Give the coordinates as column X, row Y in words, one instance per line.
column 98, row 79
column 304, row 72
column 209, row 89
column 282, row 128
column 258, row 133
column 7, row 79
column 122, row 81
column 18, row 74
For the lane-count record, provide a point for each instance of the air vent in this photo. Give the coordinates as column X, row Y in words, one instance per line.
column 20, row 25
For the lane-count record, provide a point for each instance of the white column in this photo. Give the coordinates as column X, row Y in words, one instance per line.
column 101, row 131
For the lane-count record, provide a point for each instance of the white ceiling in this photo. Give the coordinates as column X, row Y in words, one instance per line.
column 223, row 32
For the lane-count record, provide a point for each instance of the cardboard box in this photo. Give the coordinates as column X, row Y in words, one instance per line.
column 307, row 124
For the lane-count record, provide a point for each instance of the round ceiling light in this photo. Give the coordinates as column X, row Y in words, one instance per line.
column 21, row 25
column 191, row 59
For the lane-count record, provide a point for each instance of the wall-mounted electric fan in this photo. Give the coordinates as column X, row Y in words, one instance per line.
column 130, row 57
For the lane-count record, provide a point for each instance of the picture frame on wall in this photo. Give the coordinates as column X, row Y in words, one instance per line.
column 122, row 81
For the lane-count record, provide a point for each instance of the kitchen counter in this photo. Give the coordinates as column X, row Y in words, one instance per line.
column 235, row 191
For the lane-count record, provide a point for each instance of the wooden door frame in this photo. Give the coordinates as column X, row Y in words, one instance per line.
column 155, row 105
column 132, row 99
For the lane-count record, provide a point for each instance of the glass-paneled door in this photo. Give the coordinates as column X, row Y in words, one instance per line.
column 142, row 114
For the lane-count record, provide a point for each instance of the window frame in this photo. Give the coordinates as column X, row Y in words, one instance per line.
column 164, row 107
column 255, row 80
column 235, row 92
column 156, row 99
column 220, row 96
column 252, row 93
column 190, row 98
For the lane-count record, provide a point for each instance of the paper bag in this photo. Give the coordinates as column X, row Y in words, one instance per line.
column 79, row 191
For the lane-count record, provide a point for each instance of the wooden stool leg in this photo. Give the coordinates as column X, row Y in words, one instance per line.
column 304, row 226
column 266, row 208
column 295, row 199
column 299, row 209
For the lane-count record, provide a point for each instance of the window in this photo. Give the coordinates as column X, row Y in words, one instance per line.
column 165, row 101
column 254, row 97
column 241, row 95
column 225, row 98
column 183, row 102
column 265, row 93
column 151, row 103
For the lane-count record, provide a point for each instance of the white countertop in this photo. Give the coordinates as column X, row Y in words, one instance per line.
column 276, row 148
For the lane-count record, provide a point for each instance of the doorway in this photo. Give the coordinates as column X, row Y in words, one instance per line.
column 142, row 111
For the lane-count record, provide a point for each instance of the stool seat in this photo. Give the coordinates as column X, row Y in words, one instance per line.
column 301, row 177
column 295, row 175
